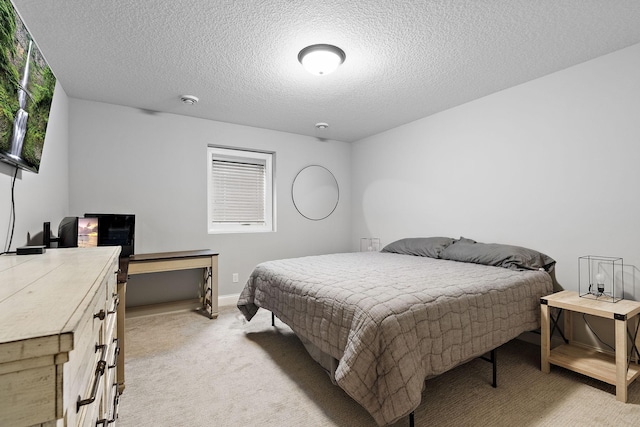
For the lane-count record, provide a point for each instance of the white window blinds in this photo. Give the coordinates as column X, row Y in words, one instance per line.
column 238, row 192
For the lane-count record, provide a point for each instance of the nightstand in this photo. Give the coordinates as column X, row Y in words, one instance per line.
column 620, row 370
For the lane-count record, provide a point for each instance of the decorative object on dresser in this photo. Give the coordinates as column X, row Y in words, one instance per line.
column 619, row 370
column 183, row 260
column 59, row 348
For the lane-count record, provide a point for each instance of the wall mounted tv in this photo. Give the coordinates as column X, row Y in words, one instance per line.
column 26, row 92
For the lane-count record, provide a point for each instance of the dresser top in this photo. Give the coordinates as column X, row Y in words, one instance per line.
column 44, row 296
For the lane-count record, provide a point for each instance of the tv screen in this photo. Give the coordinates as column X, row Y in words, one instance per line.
column 26, row 91
column 116, row 230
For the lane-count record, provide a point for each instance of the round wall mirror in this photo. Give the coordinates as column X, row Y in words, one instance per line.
column 315, row 192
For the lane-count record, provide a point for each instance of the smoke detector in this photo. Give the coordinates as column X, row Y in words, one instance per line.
column 189, row 99
column 322, row 125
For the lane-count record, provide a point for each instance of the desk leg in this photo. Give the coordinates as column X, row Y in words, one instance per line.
column 621, row 360
column 211, row 290
column 206, row 292
column 214, row 286
column 637, row 337
column 545, row 324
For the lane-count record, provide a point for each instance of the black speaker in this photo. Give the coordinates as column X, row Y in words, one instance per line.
column 46, row 234
column 68, row 232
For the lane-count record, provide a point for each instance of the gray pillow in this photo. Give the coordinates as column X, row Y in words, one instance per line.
column 497, row 255
column 419, row 246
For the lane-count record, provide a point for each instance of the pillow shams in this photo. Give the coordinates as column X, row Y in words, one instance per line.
column 419, row 246
column 498, row 255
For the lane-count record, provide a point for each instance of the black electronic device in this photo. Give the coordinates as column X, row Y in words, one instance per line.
column 47, row 238
column 67, row 233
column 31, row 250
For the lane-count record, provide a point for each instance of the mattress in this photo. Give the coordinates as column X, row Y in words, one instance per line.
column 392, row 321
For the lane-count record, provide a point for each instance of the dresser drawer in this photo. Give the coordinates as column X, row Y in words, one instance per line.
column 111, row 319
column 82, row 374
column 112, row 281
column 26, row 393
column 109, row 410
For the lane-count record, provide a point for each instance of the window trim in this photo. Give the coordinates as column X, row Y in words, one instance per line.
column 243, row 155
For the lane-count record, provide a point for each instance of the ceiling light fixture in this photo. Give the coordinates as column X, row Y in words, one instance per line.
column 322, row 125
column 321, row 59
column 189, row 99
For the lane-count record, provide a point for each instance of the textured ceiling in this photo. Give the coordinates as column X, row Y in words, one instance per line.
column 405, row 59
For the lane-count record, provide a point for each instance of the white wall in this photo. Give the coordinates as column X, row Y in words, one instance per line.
column 551, row 164
column 125, row 160
column 39, row 197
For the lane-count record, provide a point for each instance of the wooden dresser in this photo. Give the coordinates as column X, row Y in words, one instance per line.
column 59, row 349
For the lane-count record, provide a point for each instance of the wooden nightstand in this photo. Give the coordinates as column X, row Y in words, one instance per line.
column 620, row 370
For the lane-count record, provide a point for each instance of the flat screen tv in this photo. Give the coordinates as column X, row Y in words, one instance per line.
column 26, row 91
column 116, row 230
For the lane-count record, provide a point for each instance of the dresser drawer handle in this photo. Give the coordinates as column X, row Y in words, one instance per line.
column 101, row 314
column 114, row 412
column 115, row 305
column 102, row 363
column 116, row 352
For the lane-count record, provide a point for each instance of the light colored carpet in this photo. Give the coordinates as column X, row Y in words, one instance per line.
column 183, row 369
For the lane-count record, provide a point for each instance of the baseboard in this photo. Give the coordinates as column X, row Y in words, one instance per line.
column 175, row 306
column 162, row 308
column 228, row 300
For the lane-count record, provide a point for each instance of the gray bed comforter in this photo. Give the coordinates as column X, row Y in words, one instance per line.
column 393, row 320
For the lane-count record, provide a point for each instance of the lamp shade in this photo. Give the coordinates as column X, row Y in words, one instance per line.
column 321, row 59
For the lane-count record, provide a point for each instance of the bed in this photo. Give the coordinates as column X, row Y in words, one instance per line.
column 383, row 322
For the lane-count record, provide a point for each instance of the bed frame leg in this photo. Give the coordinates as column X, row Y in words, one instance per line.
column 495, row 368
column 412, row 420
column 494, row 362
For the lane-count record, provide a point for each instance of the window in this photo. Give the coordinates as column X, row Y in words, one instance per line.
column 240, row 191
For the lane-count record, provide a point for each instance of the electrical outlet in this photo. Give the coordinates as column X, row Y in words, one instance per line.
column 235, row 277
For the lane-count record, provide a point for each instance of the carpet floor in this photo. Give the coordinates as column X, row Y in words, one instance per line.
column 183, row 369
